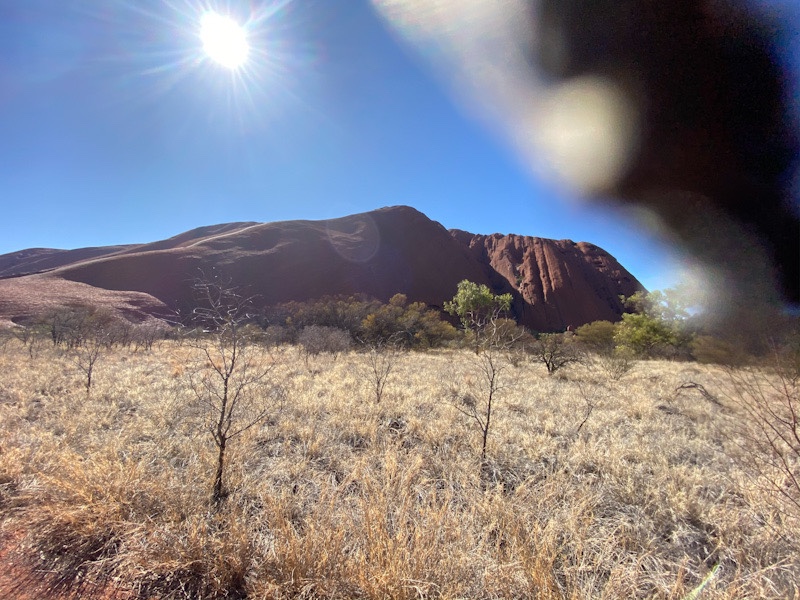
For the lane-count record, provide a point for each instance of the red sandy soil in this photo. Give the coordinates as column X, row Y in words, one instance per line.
column 20, row 581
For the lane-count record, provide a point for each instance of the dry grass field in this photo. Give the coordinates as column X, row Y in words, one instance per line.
column 592, row 487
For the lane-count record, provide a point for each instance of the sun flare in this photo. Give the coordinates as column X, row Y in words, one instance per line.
column 224, row 40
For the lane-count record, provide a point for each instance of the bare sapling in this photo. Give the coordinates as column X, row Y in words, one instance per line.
column 382, row 358
column 233, row 372
column 591, row 400
column 494, row 357
column 88, row 335
column 88, row 353
column 555, row 351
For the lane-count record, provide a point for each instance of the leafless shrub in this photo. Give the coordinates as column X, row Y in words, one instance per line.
column 494, row 355
column 318, row 339
column 31, row 335
column 6, row 335
column 88, row 353
column 146, row 334
column 767, row 430
column 119, row 332
column 277, row 335
column 555, row 351
column 233, row 371
column 382, row 358
column 69, row 327
column 615, row 364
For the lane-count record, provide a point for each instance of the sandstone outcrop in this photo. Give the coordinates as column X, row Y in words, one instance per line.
column 556, row 284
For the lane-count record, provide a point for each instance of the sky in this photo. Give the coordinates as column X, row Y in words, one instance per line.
column 116, row 128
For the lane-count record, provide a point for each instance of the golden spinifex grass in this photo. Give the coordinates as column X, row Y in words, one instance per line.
column 592, row 488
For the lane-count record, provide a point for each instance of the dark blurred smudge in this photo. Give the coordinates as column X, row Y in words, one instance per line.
column 686, row 111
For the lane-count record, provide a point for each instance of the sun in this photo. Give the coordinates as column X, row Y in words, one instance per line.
column 224, row 40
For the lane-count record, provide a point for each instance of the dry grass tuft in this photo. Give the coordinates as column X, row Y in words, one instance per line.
column 593, row 487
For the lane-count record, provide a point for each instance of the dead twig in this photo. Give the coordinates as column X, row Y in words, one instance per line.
column 691, row 385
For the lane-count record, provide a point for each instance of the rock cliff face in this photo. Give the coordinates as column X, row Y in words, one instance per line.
column 555, row 284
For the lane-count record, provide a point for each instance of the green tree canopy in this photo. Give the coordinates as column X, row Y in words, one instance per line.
column 597, row 336
column 671, row 306
column 657, row 324
column 476, row 305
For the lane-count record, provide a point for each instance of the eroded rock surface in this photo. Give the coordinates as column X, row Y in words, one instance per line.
column 555, row 283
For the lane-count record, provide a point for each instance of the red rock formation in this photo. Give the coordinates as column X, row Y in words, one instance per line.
column 379, row 253
column 37, row 260
column 558, row 283
column 32, row 296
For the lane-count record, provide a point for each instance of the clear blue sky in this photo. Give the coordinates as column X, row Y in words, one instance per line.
column 114, row 128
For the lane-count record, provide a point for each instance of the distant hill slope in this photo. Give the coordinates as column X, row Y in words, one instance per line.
column 397, row 249
column 37, row 260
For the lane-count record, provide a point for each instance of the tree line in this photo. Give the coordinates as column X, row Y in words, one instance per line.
column 655, row 325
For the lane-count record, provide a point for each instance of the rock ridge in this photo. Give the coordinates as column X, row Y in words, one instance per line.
column 556, row 284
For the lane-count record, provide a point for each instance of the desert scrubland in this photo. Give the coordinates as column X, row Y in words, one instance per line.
column 643, row 485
